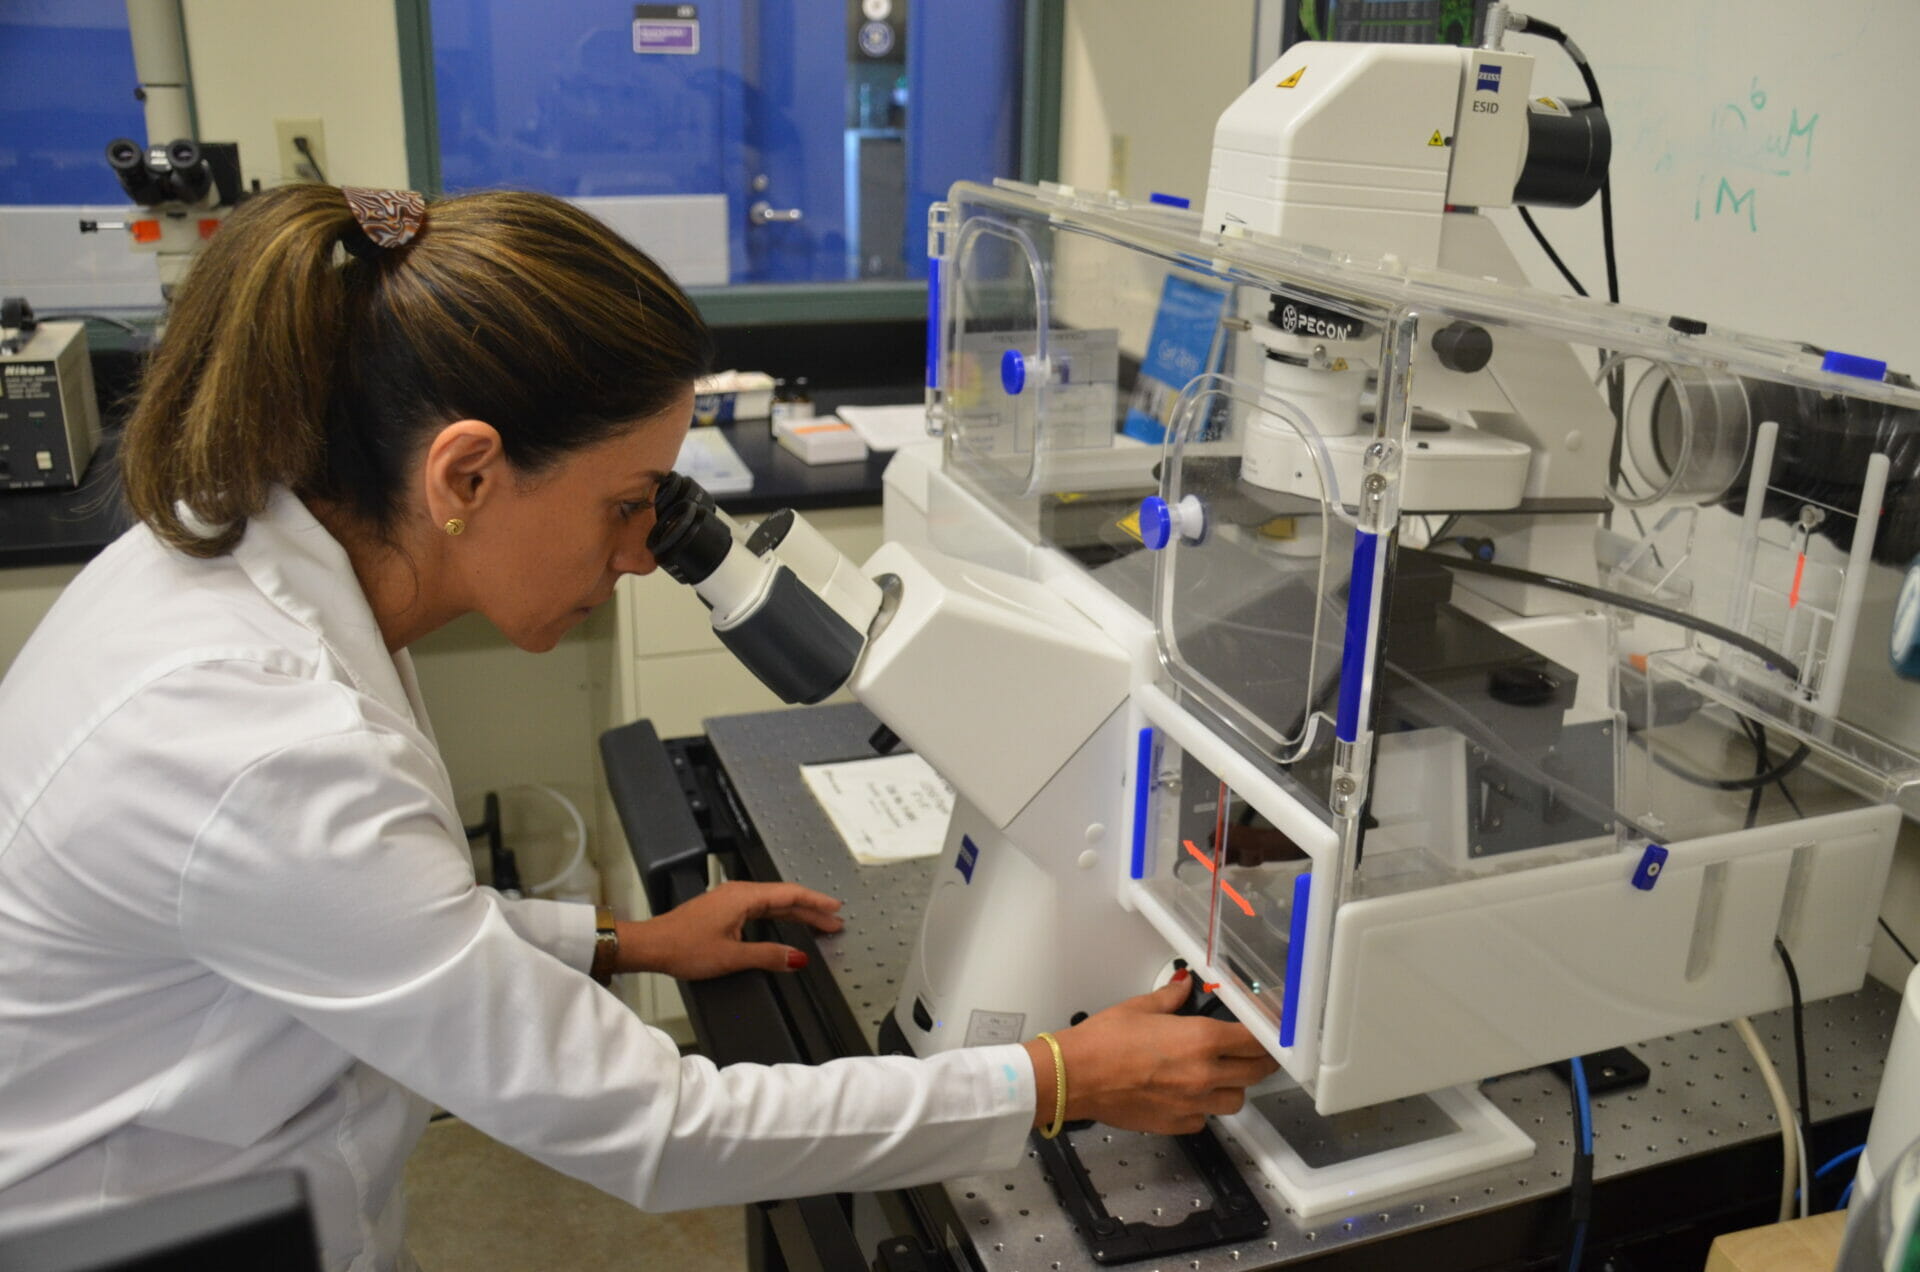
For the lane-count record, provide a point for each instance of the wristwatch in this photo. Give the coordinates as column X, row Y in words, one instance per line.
column 606, row 945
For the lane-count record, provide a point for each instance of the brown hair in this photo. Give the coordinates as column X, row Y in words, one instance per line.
column 288, row 361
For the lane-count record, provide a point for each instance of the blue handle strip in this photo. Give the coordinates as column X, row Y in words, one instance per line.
column 1296, row 957
column 1353, row 654
column 1142, row 788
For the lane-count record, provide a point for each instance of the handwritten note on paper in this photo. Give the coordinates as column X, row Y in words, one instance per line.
column 889, row 808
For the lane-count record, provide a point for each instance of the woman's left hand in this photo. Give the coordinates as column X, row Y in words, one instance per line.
column 701, row 938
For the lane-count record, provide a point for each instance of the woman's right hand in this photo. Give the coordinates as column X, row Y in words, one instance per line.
column 1139, row 1067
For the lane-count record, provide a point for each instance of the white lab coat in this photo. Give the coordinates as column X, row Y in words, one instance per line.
column 239, row 929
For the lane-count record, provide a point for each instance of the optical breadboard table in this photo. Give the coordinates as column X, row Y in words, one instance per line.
column 1699, row 1136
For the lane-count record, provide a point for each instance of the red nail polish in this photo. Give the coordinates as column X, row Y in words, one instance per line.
column 1180, row 974
column 795, row 960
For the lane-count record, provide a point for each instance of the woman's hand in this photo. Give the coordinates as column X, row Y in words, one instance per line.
column 701, row 938
column 1139, row 1067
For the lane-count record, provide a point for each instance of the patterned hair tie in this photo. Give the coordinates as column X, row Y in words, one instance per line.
column 387, row 218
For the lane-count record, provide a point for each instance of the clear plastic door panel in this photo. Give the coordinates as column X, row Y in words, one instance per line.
column 1234, row 884
column 1494, row 592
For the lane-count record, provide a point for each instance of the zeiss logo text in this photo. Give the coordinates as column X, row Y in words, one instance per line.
column 1489, row 79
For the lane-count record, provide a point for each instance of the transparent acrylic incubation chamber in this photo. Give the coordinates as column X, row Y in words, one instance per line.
column 1469, row 748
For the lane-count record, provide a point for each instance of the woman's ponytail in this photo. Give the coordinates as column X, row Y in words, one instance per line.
column 318, row 349
column 235, row 398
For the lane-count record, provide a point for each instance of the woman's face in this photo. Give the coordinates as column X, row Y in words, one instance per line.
column 546, row 551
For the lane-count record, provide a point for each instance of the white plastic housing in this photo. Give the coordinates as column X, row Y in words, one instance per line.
column 1333, row 146
column 827, row 572
column 991, row 677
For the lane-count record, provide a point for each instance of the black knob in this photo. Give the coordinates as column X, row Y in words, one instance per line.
column 1463, row 346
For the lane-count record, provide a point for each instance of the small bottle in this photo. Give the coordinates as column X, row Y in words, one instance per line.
column 800, row 402
column 782, row 407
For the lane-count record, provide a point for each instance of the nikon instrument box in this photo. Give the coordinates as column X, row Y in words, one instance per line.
column 49, row 418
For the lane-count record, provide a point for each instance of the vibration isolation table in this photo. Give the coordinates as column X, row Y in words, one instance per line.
column 1691, row 1153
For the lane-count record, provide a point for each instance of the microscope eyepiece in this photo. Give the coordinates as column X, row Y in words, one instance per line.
column 123, row 155
column 128, row 159
column 688, row 539
column 191, row 177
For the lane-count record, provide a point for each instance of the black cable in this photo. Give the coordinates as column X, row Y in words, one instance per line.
column 1759, row 740
column 1580, row 1190
column 1705, row 627
column 1540, row 237
column 1537, row 26
column 1895, row 938
column 1799, row 1048
column 306, row 152
column 1606, row 236
column 109, row 319
column 1540, row 27
column 1757, row 734
column 1754, row 783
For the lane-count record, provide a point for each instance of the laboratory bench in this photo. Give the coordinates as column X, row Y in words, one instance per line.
column 68, row 527
column 1690, row 1153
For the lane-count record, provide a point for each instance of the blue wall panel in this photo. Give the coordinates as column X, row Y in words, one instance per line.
column 66, row 90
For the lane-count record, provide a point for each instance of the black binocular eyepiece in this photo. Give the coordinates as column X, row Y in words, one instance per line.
column 175, row 173
column 688, row 539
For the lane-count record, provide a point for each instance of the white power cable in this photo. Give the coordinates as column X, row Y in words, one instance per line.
column 1792, row 1151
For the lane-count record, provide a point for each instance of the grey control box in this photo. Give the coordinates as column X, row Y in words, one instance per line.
column 49, row 417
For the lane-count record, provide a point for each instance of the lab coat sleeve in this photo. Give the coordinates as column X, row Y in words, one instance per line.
column 563, row 929
column 325, row 882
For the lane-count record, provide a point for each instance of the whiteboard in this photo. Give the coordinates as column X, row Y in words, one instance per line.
column 1766, row 164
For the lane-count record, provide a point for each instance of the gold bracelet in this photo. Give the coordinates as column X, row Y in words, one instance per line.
column 606, row 945
column 1059, row 1088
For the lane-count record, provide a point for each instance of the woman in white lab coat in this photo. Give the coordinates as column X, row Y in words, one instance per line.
column 239, row 927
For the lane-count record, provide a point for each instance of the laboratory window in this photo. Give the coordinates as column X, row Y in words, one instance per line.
column 66, row 89
column 778, row 141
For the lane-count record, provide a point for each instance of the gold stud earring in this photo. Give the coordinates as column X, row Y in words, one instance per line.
column 454, row 525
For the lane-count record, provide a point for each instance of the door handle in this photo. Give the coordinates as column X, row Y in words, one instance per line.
column 764, row 213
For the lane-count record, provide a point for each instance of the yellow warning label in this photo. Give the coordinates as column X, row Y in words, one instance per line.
column 1068, row 496
column 1436, row 139
column 1131, row 524
column 1292, row 80
column 1280, row 528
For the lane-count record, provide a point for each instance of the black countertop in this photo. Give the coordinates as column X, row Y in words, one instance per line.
column 782, row 480
column 64, row 527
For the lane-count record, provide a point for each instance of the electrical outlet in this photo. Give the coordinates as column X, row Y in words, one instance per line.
column 295, row 166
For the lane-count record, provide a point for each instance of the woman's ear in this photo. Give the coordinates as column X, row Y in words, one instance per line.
column 465, row 465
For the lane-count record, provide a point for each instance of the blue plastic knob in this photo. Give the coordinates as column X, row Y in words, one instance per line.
column 1156, row 522
column 1652, row 862
column 1013, row 372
